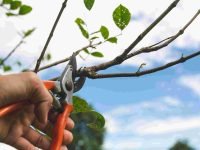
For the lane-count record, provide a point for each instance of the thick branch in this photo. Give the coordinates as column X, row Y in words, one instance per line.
column 137, row 74
column 50, row 36
column 119, row 59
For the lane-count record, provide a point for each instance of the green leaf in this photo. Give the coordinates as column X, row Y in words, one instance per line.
column 112, row 40
column 48, row 56
column 104, row 32
column 25, row 9
column 121, row 16
column 6, row 68
column 97, row 54
column 86, row 51
column 10, row 14
column 89, row 4
column 28, row 32
column 15, row 4
column 7, row 1
column 84, row 32
column 80, row 105
column 79, row 21
column 99, row 121
column 80, row 24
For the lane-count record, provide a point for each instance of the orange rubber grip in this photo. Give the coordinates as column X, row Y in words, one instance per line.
column 58, row 130
column 11, row 107
column 49, row 84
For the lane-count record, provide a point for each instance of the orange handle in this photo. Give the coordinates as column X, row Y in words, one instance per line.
column 12, row 107
column 49, row 84
column 58, row 130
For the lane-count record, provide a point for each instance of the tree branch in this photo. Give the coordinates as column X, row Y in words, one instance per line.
column 13, row 50
column 119, row 59
column 137, row 74
column 164, row 42
column 50, row 36
column 147, row 30
column 66, row 59
column 151, row 48
column 91, row 71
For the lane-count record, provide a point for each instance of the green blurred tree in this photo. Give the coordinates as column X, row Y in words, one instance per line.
column 181, row 145
column 86, row 138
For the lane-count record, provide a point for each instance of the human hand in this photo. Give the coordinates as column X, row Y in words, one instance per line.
column 15, row 128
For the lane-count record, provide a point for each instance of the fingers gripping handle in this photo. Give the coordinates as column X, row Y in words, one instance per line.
column 58, row 130
column 11, row 107
column 18, row 105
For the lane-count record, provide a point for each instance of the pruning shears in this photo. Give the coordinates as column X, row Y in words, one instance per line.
column 62, row 92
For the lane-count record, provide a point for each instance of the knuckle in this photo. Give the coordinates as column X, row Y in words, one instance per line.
column 37, row 88
column 33, row 81
column 32, row 77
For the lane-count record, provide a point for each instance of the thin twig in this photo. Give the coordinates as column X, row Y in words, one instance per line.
column 164, row 42
column 148, row 29
column 50, row 36
column 160, row 42
column 55, row 63
column 141, row 66
column 141, row 73
column 66, row 59
column 13, row 50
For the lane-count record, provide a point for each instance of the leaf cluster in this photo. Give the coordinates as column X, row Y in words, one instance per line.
column 121, row 17
column 16, row 7
column 81, row 106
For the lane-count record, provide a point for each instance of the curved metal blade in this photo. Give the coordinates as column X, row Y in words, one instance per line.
column 78, row 84
column 73, row 63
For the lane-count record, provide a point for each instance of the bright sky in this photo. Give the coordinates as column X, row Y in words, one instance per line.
column 146, row 113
